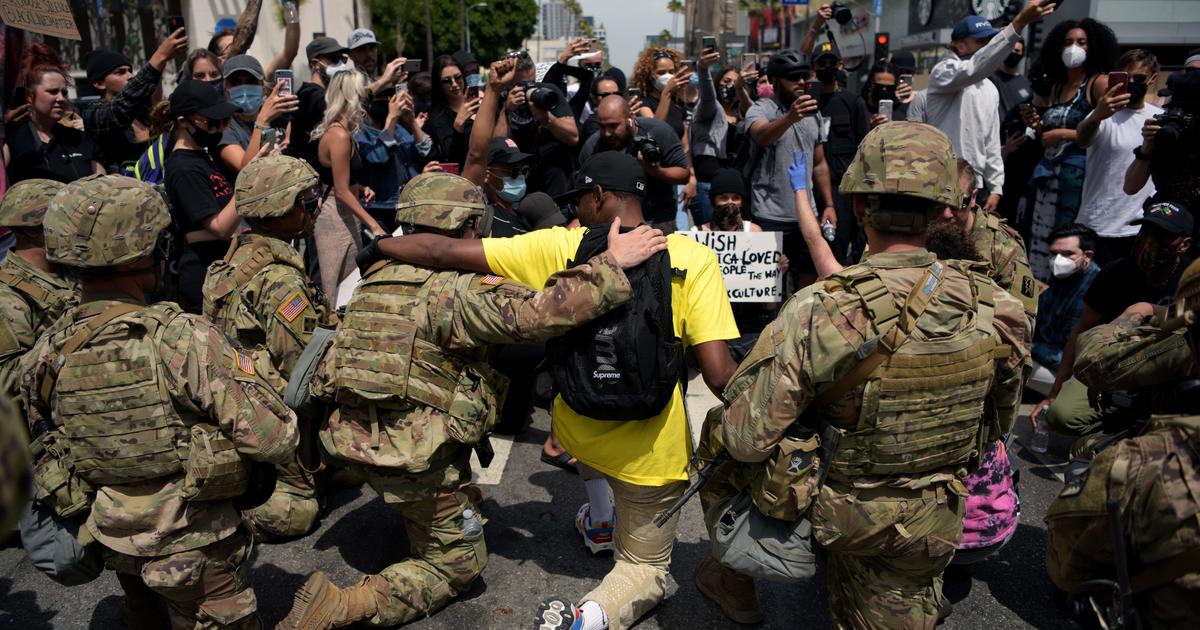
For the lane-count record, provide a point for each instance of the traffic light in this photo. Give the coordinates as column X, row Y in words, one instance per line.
column 882, row 40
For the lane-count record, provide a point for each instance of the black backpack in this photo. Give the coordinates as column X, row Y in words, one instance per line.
column 625, row 364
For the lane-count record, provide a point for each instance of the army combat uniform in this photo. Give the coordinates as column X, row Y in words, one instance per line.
column 902, row 356
column 128, row 394
column 14, row 466
column 409, row 371
column 261, row 296
column 30, row 298
column 1008, row 263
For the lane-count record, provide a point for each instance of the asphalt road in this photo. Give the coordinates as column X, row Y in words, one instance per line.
column 535, row 552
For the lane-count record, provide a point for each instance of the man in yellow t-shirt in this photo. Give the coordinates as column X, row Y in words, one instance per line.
column 644, row 462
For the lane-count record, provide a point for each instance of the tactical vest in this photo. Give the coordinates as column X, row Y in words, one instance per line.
column 52, row 303
column 922, row 404
column 386, row 356
column 1024, row 286
column 119, row 424
column 223, row 301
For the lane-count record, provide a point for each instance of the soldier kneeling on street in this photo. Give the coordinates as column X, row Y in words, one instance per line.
column 409, row 373
column 141, row 416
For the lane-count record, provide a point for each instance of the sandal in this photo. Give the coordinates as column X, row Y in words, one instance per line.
column 563, row 460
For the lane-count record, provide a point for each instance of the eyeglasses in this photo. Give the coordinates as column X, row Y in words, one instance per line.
column 1139, row 78
column 452, row 79
column 513, row 171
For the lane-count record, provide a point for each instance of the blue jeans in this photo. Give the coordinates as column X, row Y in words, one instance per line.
column 701, row 206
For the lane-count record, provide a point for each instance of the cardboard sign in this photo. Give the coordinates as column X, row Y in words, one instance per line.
column 48, row 17
column 749, row 262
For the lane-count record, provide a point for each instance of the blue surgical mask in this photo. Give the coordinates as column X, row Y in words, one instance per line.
column 247, row 97
column 514, row 189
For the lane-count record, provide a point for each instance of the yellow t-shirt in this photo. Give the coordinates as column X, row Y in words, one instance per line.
column 651, row 452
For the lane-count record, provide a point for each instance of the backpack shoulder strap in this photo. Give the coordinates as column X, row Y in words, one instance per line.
column 39, row 295
column 891, row 336
column 76, row 341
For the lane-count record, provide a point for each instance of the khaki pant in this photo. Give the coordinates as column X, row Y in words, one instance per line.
column 1071, row 413
column 205, row 588
column 337, row 235
column 639, row 580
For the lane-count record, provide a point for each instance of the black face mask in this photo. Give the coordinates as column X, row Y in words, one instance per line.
column 883, row 93
column 216, row 84
column 206, row 139
column 1013, row 59
column 828, row 74
column 727, row 93
column 1137, row 92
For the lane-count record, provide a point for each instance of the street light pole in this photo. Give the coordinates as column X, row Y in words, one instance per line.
column 467, row 18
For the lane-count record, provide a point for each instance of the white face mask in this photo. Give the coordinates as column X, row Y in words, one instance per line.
column 662, row 81
column 1073, row 56
column 1063, row 267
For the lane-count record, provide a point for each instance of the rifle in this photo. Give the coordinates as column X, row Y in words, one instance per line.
column 1123, row 614
column 702, row 477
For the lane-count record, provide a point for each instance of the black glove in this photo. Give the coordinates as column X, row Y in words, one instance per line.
column 369, row 254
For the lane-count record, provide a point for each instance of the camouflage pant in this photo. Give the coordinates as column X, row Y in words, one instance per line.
column 444, row 562
column 204, row 588
column 292, row 508
column 887, row 548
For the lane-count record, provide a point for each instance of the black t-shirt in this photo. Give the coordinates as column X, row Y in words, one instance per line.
column 658, row 205
column 1120, row 284
column 848, row 126
column 506, row 223
column 310, row 113
column 675, row 113
column 67, row 157
column 196, row 190
column 549, row 154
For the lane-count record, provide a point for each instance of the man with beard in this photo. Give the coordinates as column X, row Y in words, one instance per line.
column 1150, row 276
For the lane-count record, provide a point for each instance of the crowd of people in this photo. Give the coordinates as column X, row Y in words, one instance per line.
column 320, row 301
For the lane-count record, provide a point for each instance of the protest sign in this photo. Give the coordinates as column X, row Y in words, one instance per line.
column 749, row 262
column 48, row 17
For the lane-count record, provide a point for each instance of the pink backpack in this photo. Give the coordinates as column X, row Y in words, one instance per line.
column 993, row 507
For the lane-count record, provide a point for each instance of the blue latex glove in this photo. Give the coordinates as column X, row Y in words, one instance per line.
column 798, row 171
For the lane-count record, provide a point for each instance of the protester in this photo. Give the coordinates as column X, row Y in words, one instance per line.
column 450, row 113
column 962, row 103
column 1076, row 57
column 1148, row 275
column 118, row 122
column 199, row 195
column 1061, row 304
column 661, row 76
column 602, row 88
column 364, row 51
column 541, row 123
column 657, row 149
column 326, row 57
column 1012, row 86
column 258, row 112
column 557, row 73
column 882, row 84
column 1167, row 156
column 205, row 67
column 43, row 148
column 717, row 132
column 1110, row 133
column 500, row 168
column 847, row 116
column 395, row 149
column 783, row 125
column 340, row 165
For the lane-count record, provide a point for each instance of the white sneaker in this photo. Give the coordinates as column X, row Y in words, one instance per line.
column 597, row 536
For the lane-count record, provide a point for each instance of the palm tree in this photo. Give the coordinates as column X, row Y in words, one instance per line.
column 664, row 38
column 676, row 8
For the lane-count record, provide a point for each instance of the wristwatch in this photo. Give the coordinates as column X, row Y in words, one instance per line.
column 1138, row 155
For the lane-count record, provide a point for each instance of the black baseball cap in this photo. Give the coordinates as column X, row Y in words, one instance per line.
column 325, row 46
column 198, row 97
column 505, row 151
column 610, row 170
column 1172, row 217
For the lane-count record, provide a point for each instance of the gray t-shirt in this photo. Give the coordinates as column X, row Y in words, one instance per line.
column 770, row 187
column 237, row 133
column 659, row 204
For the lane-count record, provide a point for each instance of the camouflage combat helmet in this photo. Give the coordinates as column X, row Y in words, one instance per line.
column 904, row 158
column 1187, row 292
column 104, row 220
column 268, row 186
column 25, row 203
column 443, row 202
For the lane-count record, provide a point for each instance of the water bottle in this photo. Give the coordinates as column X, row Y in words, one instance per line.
column 828, row 231
column 471, row 528
column 1041, row 434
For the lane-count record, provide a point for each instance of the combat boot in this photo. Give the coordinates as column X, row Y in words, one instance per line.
column 733, row 592
column 319, row 605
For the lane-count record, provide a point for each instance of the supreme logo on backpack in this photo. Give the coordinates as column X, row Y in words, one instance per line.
column 625, row 364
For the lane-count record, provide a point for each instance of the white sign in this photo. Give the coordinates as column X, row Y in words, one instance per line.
column 48, row 17
column 749, row 262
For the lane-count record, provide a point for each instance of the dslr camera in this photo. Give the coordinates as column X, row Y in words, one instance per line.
column 842, row 13
column 1177, row 129
column 546, row 97
column 649, row 149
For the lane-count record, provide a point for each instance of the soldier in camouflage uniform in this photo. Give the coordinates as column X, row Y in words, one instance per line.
column 409, row 369
column 1154, row 476
column 902, row 356
column 128, row 397
column 33, row 294
column 262, row 298
column 14, row 466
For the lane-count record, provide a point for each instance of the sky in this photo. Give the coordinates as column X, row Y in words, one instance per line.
column 628, row 22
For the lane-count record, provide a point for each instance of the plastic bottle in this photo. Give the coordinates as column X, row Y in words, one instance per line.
column 471, row 526
column 828, row 231
column 1041, row 434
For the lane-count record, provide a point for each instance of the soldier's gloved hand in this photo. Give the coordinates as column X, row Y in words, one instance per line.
column 798, row 171
column 370, row 253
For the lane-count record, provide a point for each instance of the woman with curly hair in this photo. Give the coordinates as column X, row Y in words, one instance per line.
column 42, row 147
column 1076, row 57
column 661, row 76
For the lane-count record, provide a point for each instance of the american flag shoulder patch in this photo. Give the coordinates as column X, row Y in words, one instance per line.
column 293, row 307
column 243, row 362
column 491, row 279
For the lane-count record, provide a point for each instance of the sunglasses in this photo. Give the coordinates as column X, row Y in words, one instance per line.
column 311, row 202
column 452, row 79
column 513, row 171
